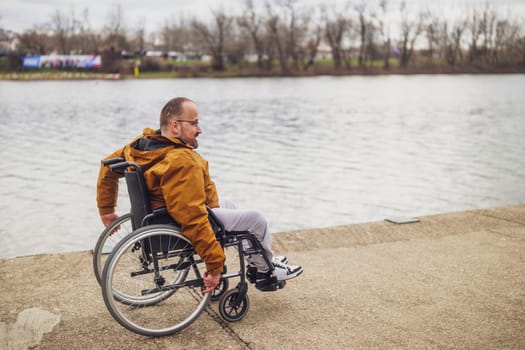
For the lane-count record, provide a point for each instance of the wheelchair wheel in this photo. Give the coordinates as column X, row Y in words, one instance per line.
column 152, row 263
column 232, row 307
column 108, row 240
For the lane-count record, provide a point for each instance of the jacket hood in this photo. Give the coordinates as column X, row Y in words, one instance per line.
column 150, row 148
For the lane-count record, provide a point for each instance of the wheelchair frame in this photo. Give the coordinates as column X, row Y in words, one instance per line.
column 141, row 243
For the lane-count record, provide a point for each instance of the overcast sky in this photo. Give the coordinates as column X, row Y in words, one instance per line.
column 21, row 15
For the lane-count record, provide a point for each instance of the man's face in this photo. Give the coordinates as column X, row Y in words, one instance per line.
column 188, row 124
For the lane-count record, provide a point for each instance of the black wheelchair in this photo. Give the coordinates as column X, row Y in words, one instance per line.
column 152, row 279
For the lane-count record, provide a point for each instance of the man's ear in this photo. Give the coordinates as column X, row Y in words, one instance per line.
column 175, row 128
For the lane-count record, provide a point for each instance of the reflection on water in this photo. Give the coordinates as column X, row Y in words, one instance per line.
column 307, row 152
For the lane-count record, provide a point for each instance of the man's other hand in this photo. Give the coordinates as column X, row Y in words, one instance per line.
column 108, row 219
column 210, row 282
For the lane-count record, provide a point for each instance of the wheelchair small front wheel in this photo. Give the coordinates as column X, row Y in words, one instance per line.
column 233, row 307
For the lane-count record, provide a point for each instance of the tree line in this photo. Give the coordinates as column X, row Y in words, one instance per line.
column 286, row 37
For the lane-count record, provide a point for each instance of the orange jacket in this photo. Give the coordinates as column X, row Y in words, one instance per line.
column 177, row 178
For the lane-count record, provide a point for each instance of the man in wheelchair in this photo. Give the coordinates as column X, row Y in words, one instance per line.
column 177, row 178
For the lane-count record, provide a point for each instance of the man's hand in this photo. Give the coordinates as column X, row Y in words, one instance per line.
column 108, row 219
column 210, row 282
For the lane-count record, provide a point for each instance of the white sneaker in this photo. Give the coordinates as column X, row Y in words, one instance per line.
column 281, row 259
column 285, row 272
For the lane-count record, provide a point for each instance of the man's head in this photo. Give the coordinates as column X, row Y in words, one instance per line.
column 180, row 118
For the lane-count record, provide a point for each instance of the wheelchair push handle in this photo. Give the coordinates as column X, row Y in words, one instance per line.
column 107, row 162
column 120, row 164
column 116, row 164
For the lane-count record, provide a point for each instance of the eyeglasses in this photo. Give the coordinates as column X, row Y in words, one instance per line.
column 192, row 122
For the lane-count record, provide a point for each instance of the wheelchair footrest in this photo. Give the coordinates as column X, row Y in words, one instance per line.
column 268, row 284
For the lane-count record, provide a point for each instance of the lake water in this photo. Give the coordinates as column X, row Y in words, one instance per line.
column 306, row 152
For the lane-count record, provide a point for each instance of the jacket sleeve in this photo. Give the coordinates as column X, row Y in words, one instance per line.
column 107, row 186
column 184, row 192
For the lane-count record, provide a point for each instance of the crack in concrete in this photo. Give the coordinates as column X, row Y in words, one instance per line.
column 504, row 219
column 226, row 327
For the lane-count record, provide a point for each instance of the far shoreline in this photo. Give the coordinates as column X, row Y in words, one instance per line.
column 367, row 71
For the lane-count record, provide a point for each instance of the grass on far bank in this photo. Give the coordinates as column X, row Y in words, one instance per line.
column 164, row 69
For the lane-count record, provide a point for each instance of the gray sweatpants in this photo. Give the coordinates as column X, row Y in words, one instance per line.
column 235, row 219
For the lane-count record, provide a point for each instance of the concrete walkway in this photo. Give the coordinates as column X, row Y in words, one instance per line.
column 452, row 281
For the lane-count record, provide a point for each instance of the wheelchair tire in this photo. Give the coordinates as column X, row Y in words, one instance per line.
column 147, row 281
column 107, row 241
column 231, row 308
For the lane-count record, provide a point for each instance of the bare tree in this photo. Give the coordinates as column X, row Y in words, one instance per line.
column 86, row 40
column 140, row 35
column 431, row 29
column 252, row 22
column 507, row 43
column 115, row 29
column 63, row 26
column 473, row 25
column 410, row 30
column 238, row 46
column 294, row 31
column 361, row 8
column 520, row 49
column 276, row 32
column 451, row 42
column 290, row 34
column 385, row 33
column 335, row 27
column 372, row 38
column 34, row 42
column 115, row 40
column 176, row 35
column 312, row 47
column 214, row 36
column 487, row 30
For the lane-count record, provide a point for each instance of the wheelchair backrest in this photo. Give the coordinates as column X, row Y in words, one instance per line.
column 138, row 196
column 137, row 190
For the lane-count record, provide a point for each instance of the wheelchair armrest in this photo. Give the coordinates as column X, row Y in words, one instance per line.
column 216, row 225
column 160, row 211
